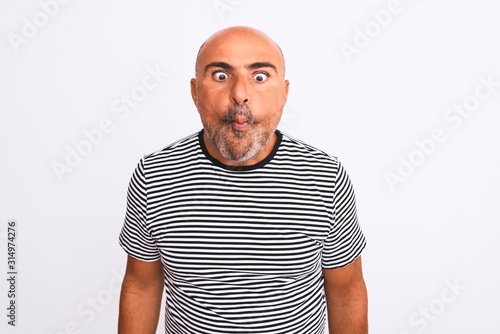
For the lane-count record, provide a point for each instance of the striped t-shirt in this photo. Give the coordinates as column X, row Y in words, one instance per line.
column 242, row 248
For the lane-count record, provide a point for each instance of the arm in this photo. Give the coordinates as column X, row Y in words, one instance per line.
column 140, row 297
column 346, row 299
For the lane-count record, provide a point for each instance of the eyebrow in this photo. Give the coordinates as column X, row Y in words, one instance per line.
column 219, row 64
column 253, row 66
column 258, row 65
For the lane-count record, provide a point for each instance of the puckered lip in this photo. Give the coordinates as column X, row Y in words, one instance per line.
column 239, row 123
column 239, row 119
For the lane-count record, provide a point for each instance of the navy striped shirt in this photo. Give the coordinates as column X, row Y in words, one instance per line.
column 242, row 248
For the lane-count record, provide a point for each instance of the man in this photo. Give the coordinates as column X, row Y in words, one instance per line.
column 246, row 229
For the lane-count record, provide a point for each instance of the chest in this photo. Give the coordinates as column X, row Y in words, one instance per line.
column 260, row 225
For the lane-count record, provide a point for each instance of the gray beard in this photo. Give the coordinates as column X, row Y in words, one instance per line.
column 238, row 152
column 249, row 143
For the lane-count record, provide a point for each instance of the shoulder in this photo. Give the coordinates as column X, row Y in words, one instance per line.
column 175, row 151
column 298, row 149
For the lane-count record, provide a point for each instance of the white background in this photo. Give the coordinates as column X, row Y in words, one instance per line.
column 436, row 226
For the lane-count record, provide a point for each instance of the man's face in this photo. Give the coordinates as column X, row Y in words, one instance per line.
column 240, row 93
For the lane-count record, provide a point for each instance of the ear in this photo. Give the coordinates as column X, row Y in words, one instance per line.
column 285, row 91
column 194, row 94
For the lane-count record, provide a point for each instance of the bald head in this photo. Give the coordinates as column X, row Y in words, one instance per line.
column 238, row 37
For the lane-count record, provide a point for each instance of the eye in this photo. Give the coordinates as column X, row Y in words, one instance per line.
column 260, row 77
column 220, row 76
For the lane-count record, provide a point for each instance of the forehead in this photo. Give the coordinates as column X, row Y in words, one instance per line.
column 239, row 49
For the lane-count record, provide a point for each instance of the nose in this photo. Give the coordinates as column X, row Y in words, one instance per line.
column 240, row 91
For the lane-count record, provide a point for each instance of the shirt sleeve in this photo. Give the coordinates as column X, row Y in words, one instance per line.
column 345, row 240
column 135, row 238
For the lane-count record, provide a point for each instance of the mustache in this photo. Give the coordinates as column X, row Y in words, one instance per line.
column 232, row 113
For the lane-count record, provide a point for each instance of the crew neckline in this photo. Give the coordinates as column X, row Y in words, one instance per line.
column 259, row 164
